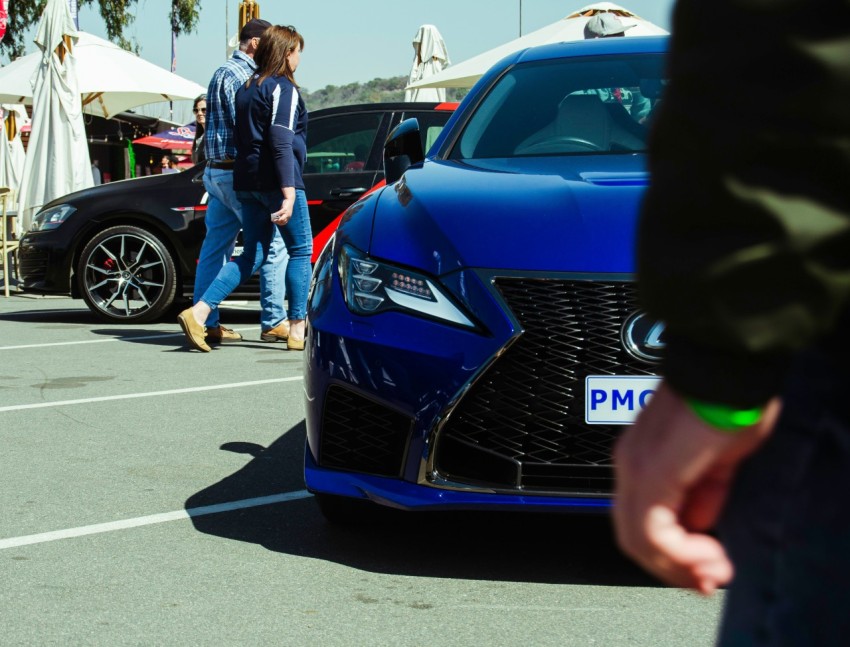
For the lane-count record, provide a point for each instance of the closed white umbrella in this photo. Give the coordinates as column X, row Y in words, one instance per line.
column 57, row 160
column 6, row 178
column 12, row 156
column 110, row 79
column 430, row 58
column 465, row 74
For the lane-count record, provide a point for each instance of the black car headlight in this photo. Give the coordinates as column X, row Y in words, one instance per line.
column 51, row 218
column 371, row 287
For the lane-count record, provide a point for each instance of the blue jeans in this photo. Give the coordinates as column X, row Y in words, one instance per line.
column 257, row 234
column 787, row 524
column 223, row 221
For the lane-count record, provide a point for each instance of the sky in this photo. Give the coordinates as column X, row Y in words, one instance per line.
column 349, row 41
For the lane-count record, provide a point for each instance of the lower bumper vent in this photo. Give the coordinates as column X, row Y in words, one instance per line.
column 362, row 436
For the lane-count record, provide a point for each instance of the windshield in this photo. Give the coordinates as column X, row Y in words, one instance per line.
column 566, row 107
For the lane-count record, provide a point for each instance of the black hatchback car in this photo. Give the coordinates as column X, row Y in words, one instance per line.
column 129, row 248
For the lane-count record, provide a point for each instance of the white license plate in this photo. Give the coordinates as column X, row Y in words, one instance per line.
column 616, row 399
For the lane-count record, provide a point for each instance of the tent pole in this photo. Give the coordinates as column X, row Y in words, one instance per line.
column 520, row 18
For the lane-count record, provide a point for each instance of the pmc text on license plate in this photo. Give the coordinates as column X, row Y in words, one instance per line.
column 616, row 399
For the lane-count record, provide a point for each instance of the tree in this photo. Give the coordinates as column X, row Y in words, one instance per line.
column 117, row 16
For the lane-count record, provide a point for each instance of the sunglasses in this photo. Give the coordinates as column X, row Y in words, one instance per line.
column 203, row 111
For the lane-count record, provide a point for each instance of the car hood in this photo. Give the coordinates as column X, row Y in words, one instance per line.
column 564, row 214
column 140, row 185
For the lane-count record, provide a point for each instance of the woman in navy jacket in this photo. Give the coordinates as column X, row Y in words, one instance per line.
column 271, row 149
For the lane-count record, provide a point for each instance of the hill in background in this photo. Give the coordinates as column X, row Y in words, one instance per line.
column 374, row 91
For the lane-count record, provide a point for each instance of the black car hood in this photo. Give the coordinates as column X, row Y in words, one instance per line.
column 134, row 186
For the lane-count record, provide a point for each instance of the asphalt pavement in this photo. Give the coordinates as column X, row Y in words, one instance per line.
column 154, row 496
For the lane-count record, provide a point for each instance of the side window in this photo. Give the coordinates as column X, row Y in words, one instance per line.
column 341, row 143
column 430, row 125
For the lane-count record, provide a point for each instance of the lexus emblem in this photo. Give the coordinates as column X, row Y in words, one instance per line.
column 643, row 337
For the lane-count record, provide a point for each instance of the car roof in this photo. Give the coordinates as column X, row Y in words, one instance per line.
column 596, row 47
column 389, row 106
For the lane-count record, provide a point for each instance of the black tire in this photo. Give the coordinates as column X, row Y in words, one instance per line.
column 344, row 511
column 127, row 275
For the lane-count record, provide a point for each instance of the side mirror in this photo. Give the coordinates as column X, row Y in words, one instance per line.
column 402, row 149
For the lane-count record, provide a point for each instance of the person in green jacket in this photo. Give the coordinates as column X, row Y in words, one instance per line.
column 738, row 471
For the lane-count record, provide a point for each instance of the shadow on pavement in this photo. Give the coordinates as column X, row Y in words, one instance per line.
column 45, row 318
column 175, row 340
column 468, row 545
column 78, row 313
column 146, row 336
column 164, row 332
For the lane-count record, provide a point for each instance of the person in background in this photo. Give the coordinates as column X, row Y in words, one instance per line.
column 607, row 25
column 96, row 175
column 199, row 108
column 744, row 253
column 361, row 152
column 223, row 218
column 168, row 164
column 271, row 149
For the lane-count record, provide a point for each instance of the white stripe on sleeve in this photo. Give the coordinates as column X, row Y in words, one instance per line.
column 292, row 108
column 275, row 102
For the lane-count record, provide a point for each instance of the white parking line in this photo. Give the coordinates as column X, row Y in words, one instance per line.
column 69, row 533
column 148, row 394
column 104, row 341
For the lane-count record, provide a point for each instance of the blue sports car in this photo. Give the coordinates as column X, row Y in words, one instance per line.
column 474, row 339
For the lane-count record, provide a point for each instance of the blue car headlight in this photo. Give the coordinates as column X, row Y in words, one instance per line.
column 371, row 287
column 51, row 218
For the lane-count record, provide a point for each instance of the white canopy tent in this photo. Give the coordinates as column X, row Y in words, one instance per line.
column 430, row 58
column 465, row 74
column 110, row 79
column 57, row 160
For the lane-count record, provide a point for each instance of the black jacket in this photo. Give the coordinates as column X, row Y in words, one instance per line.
column 744, row 243
column 271, row 136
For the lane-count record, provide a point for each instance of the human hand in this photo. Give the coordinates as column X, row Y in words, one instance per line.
column 673, row 474
column 282, row 215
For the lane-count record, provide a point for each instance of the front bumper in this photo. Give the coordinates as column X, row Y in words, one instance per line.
column 415, row 413
column 44, row 264
column 397, row 493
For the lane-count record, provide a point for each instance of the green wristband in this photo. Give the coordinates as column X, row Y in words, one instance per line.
column 726, row 419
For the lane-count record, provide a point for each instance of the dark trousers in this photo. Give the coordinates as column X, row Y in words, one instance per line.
column 787, row 524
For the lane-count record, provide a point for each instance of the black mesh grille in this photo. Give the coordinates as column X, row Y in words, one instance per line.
column 32, row 265
column 522, row 423
column 362, row 436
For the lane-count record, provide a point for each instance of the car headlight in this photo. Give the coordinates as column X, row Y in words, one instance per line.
column 51, row 218
column 370, row 287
